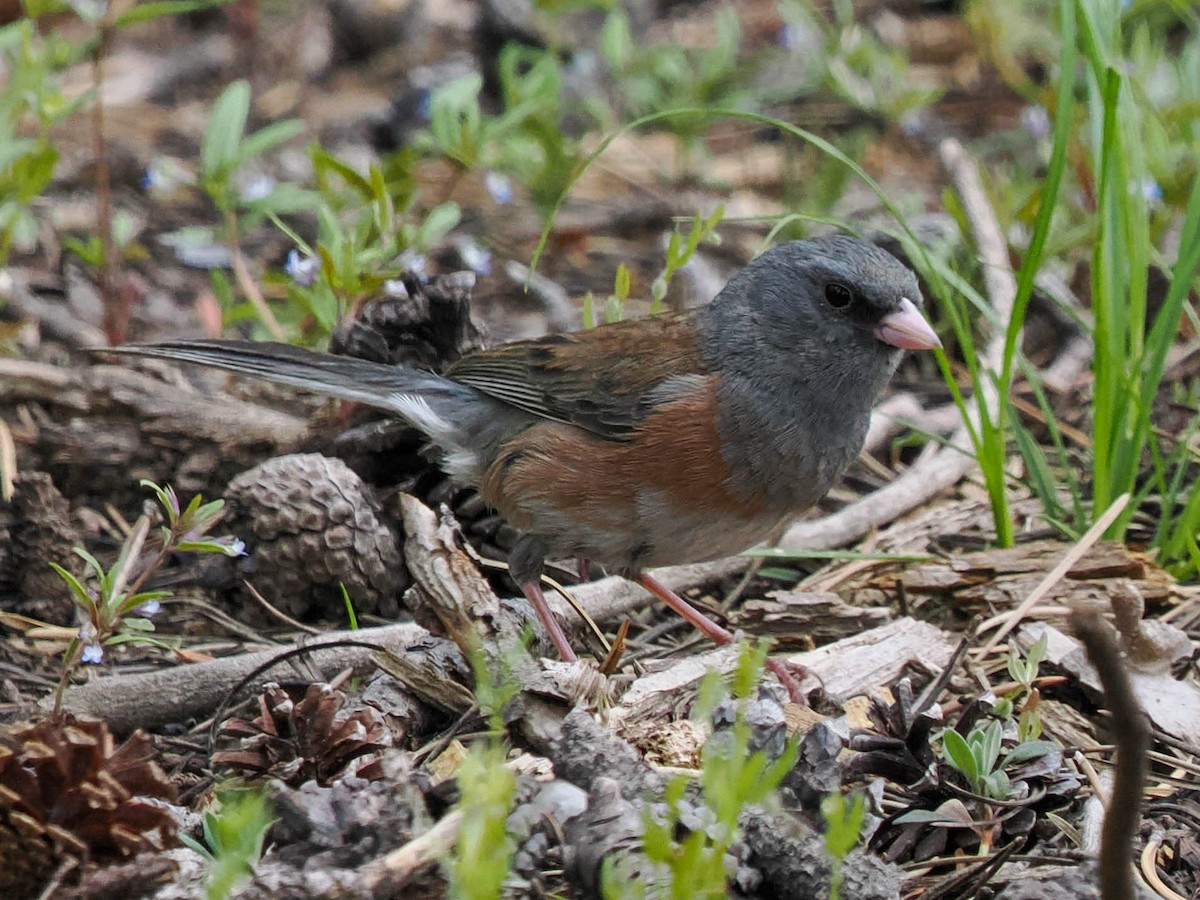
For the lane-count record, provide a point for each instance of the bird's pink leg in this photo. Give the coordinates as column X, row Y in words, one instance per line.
column 533, row 593
column 715, row 632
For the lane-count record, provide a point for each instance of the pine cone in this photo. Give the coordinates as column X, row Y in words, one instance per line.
column 313, row 740
column 35, row 529
column 311, row 525
column 65, row 792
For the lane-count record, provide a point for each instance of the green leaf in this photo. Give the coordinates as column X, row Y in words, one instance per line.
column 1037, row 652
column 144, row 12
column 219, row 149
column 284, row 199
column 93, row 564
column 439, row 222
column 90, row 252
column 997, row 785
column 622, row 282
column 988, row 748
column 958, row 754
column 616, row 41
column 349, row 604
column 206, row 547
column 325, row 163
column 82, row 598
column 137, row 623
column 34, row 172
column 1028, row 750
column 843, row 822
column 953, row 813
column 268, row 137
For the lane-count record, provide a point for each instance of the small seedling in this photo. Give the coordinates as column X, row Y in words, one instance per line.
column 233, row 837
column 731, row 778
column 118, row 609
column 843, row 825
column 977, row 757
column 1024, row 671
column 482, row 855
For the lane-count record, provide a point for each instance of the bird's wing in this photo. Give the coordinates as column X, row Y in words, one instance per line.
column 605, row 380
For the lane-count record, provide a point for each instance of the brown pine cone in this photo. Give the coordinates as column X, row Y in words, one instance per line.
column 315, row 733
column 66, row 791
column 312, row 525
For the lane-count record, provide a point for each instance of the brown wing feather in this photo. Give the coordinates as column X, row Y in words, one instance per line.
column 604, row 380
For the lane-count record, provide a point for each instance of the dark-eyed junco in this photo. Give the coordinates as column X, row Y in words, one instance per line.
column 656, row 441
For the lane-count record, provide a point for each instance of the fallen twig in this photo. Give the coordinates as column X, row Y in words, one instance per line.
column 155, row 699
column 1010, row 620
column 1132, row 734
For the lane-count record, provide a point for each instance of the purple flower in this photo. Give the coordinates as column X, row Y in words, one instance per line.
column 476, row 258
column 165, row 175
column 302, row 269
column 147, row 610
column 172, row 500
column 257, row 187
column 93, row 653
column 233, row 546
column 1036, row 121
column 499, row 186
column 412, row 261
column 1151, row 191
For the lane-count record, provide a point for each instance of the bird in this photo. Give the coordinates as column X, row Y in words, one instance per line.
column 676, row 438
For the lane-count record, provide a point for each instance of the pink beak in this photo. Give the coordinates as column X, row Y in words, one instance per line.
column 906, row 328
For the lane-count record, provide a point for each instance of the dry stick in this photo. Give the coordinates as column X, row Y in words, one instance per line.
column 956, row 460
column 1150, row 872
column 8, row 463
column 154, row 699
column 1132, row 734
column 1010, row 620
column 250, row 288
column 395, row 870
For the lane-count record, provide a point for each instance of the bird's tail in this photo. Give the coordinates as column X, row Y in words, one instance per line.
column 387, row 387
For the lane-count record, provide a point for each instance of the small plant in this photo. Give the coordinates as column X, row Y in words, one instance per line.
column 680, row 250
column 233, row 837
column 482, row 855
column 31, row 104
column 243, row 198
column 843, row 825
column 118, row 609
column 1114, row 184
column 33, row 93
column 226, row 151
column 665, row 76
column 526, row 140
column 1024, row 671
column 731, row 777
column 364, row 234
column 858, row 66
column 977, row 757
column 614, row 304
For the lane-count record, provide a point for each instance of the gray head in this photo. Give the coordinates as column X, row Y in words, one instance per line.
column 805, row 339
column 829, row 302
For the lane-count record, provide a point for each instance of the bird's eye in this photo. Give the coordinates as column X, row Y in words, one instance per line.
column 838, row 295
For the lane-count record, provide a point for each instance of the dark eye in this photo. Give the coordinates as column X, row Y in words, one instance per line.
column 838, row 295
